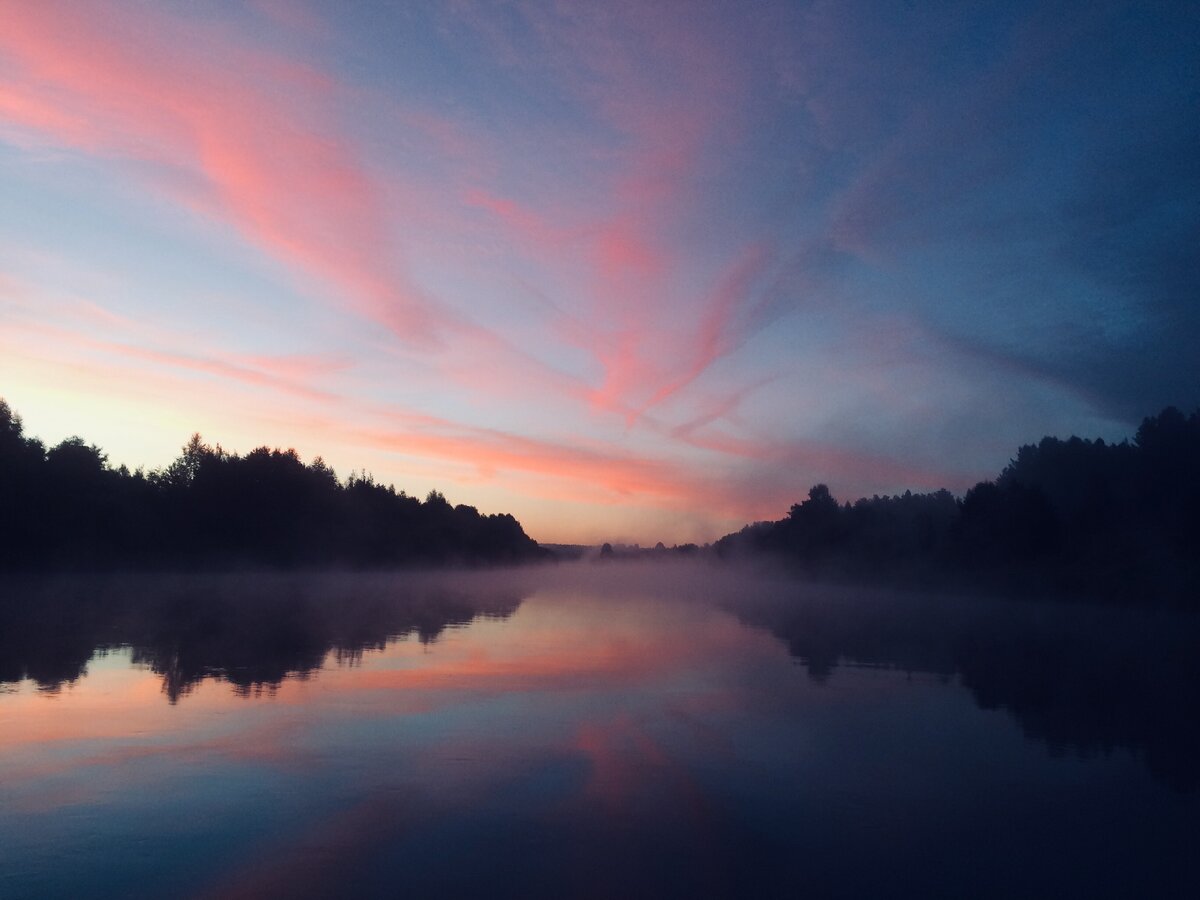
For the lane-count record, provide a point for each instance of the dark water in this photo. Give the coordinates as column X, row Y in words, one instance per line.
column 596, row 731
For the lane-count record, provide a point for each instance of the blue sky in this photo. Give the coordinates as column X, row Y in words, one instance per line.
column 629, row 271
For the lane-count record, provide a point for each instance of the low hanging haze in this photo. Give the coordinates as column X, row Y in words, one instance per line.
column 630, row 271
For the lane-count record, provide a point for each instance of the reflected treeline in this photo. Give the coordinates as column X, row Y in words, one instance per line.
column 66, row 509
column 250, row 631
column 1084, row 680
column 1113, row 521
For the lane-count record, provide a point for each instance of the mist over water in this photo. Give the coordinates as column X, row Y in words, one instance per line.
column 594, row 729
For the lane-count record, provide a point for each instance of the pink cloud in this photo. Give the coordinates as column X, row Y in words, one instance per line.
column 256, row 140
column 255, row 133
column 283, row 373
column 252, row 139
column 668, row 90
column 648, row 364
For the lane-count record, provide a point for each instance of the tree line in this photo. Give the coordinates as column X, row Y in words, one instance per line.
column 66, row 508
column 1116, row 520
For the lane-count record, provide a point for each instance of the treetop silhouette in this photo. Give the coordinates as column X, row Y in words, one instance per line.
column 66, row 509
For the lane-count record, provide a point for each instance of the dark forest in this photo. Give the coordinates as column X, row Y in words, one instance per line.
column 1111, row 521
column 66, row 509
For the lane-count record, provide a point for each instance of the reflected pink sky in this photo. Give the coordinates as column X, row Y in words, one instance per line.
column 590, row 678
column 591, row 731
column 552, row 644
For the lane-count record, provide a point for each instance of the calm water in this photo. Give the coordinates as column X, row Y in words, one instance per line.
column 588, row 731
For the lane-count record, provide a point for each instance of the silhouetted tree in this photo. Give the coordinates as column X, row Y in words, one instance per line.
column 1120, row 521
column 68, row 509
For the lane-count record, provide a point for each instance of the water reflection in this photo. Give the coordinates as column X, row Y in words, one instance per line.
column 1082, row 679
column 252, row 631
column 586, row 731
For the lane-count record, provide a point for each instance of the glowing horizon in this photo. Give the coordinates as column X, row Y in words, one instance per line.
column 630, row 272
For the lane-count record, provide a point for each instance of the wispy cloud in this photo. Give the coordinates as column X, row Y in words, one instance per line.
column 670, row 257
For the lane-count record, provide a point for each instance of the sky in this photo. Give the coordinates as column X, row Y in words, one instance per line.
column 630, row 271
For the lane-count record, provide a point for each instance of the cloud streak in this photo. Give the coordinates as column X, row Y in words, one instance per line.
column 252, row 136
